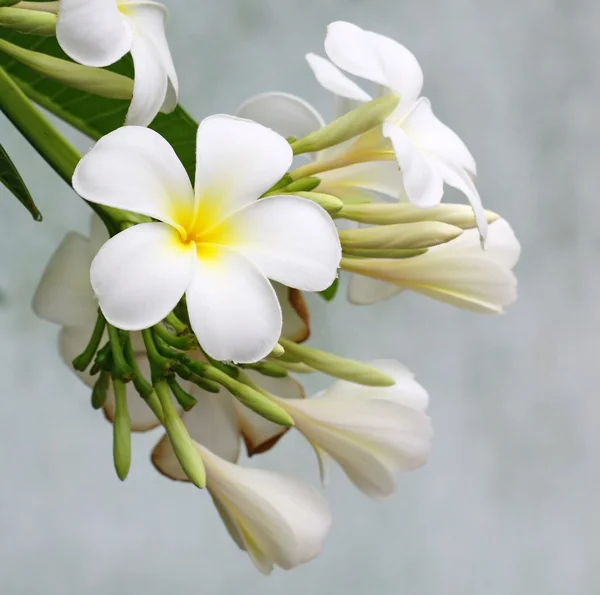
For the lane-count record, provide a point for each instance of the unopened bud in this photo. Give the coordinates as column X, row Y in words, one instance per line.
column 302, row 185
column 278, row 351
column 424, row 234
column 359, row 120
column 268, row 369
column 121, row 431
column 388, row 214
column 91, row 80
column 338, row 367
column 100, row 390
column 31, row 22
column 330, row 203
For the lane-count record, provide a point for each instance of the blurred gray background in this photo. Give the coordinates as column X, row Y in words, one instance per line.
column 509, row 501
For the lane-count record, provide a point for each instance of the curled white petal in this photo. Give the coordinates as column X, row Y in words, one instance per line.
column 334, row 80
column 233, row 308
column 364, row 291
column 290, row 239
column 140, row 274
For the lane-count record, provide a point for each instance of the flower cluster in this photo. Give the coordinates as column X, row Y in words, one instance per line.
column 184, row 308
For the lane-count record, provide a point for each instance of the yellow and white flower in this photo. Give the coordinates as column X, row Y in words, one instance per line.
column 100, row 32
column 218, row 245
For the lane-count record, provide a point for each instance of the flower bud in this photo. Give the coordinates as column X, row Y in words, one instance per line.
column 121, row 431
column 330, row 203
column 359, row 120
column 389, row 214
column 31, row 22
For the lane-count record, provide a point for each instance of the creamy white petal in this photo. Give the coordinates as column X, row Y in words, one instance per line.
column 407, row 391
column 287, row 114
column 140, row 274
column 333, row 79
column 364, row 291
column 401, row 69
column 150, row 82
column 502, row 244
column 279, row 521
column 149, row 19
column 64, row 294
column 93, row 32
column 233, row 308
column 290, row 239
column 351, row 48
column 236, row 162
column 423, row 182
column 135, row 169
column 371, row 439
column 259, row 433
column 296, row 317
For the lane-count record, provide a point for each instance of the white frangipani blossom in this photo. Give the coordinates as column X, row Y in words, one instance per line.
column 100, row 32
column 217, row 243
column 292, row 116
column 371, row 432
column 458, row 272
column 428, row 152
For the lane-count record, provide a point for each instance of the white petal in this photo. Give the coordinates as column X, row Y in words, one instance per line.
column 64, row 294
column 364, row 291
column 350, row 48
column 401, row 69
column 279, row 520
column 370, row 438
column 332, row 79
column 423, row 182
column 135, row 169
column 140, row 274
column 290, row 239
column 93, row 32
column 260, row 434
column 431, row 135
column 149, row 19
column 236, row 162
column 296, row 317
column 378, row 176
column 233, row 309
column 287, row 114
column 407, row 391
column 502, row 244
column 150, row 82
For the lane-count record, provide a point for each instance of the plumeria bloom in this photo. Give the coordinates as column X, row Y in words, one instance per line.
column 64, row 296
column 100, row 32
column 291, row 116
column 279, row 521
column 428, row 152
column 457, row 272
column 216, row 244
column 372, row 433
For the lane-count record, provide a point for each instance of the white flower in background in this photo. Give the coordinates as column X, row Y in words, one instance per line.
column 371, row 432
column 458, row 272
column 100, row 32
column 218, row 245
column 292, row 116
column 279, row 521
column 428, row 152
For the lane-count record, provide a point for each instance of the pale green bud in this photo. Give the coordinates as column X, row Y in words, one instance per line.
column 399, row 236
column 91, row 80
column 388, row 214
column 384, row 253
column 330, row 203
column 278, row 351
column 31, row 22
column 336, row 366
column 358, row 121
column 121, row 431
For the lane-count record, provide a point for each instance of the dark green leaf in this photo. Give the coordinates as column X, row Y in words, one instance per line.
column 329, row 293
column 93, row 115
column 10, row 177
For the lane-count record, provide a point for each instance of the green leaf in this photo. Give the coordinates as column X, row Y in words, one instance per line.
column 10, row 177
column 329, row 293
column 93, row 115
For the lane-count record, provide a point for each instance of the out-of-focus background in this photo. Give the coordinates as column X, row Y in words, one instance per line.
column 509, row 501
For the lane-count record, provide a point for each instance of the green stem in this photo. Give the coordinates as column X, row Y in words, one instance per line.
column 159, row 365
column 81, row 362
column 184, row 343
column 121, row 431
column 179, row 327
column 121, row 369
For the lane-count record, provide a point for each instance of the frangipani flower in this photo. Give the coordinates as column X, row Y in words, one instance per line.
column 458, row 272
column 428, row 152
column 292, row 116
column 100, row 32
column 217, row 245
column 371, row 432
